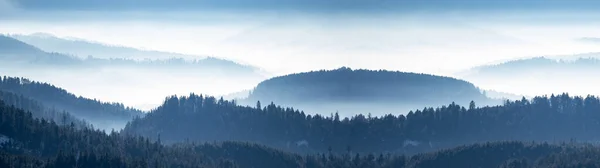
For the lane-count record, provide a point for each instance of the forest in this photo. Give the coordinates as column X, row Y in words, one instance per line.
column 38, row 110
column 213, row 132
column 49, row 97
column 555, row 118
column 31, row 142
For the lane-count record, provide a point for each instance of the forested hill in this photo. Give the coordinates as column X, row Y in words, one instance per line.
column 100, row 114
column 353, row 89
column 29, row 142
column 38, row 110
column 554, row 118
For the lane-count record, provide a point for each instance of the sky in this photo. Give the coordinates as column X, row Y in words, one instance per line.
column 289, row 36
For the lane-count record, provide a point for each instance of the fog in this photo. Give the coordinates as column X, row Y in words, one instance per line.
column 140, row 88
column 413, row 42
column 280, row 42
column 373, row 109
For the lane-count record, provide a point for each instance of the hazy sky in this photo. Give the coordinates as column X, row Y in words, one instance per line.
column 283, row 38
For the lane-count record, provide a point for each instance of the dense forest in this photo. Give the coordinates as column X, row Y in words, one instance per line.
column 100, row 114
column 30, row 142
column 346, row 90
column 198, row 118
column 38, row 110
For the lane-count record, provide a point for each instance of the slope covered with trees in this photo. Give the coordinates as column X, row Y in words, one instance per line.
column 38, row 110
column 39, row 143
column 377, row 92
column 66, row 146
column 551, row 119
column 100, row 114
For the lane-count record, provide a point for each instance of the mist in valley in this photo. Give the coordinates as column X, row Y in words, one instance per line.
column 267, row 83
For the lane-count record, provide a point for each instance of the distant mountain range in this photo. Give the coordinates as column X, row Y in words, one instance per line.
column 108, row 78
column 540, row 75
column 13, row 50
column 84, row 48
column 358, row 91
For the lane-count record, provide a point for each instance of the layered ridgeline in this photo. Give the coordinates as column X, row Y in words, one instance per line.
column 540, row 75
column 29, row 142
column 84, row 48
column 13, row 51
column 364, row 91
column 145, row 80
column 100, row 114
column 16, row 53
column 100, row 53
column 198, row 118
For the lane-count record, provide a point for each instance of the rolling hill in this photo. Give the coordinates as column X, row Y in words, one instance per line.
column 364, row 91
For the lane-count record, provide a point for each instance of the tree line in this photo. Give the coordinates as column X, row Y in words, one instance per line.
column 552, row 118
column 54, row 97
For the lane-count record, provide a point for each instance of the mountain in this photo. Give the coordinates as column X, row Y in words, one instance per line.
column 109, row 54
column 14, row 51
column 101, row 114
column 85, row 48
column 360, row 91
column 207, row 119
column 540, row 75
column 29, row 142
column 145, row 81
